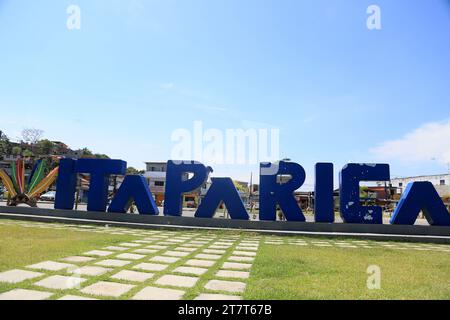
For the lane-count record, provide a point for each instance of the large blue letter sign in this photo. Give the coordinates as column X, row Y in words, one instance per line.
column 99, row 171
column 222, row 189
column 134, row 188
column 176, row 186
column 421, row 196
column 66, row 185
column 278, row 182
column 277, row 185
column 350, row 176
column 323, row 193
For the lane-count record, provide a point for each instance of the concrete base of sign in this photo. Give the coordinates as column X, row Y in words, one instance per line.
column 416, row 233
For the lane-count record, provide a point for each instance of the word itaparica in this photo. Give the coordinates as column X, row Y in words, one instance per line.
column 418, row 196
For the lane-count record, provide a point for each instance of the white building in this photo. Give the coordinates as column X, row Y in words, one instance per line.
column 156, row 177
column 155, row 174
column 440, row 181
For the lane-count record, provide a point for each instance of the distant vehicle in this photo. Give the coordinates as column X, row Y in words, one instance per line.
column 49, row 196
column 190, row 204
column 4, row 195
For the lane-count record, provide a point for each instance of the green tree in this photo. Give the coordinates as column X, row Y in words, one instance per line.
column 3, row 135
column 241, row 188
column 16, row 151
column 100, row 156
column 134, row 171
column 27, row 153
column 45, row 147
column 5, row 144
column 31, row 135
column 86, row 153
column 3, row 148
column 363, row 192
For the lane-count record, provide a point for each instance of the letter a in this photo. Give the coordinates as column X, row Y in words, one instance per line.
column 374, row 20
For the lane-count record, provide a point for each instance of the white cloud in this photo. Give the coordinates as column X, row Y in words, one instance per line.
column 210, row 108
column 309, row 119
column 251, row 124
column 167, row 86
column 205, row 105
column 430, row 141
column 187, row 93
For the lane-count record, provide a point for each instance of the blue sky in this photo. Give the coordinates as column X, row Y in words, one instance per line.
column 138, row 70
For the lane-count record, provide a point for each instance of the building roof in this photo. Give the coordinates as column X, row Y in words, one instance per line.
column 155, row 162
column 423, row 176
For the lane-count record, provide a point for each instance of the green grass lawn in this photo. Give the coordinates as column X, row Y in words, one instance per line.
column 293, row 272
column 21, row 246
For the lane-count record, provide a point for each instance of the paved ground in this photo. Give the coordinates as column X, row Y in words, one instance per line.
column 159, row 265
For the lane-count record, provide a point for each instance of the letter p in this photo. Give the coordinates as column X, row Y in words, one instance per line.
column 178, row 183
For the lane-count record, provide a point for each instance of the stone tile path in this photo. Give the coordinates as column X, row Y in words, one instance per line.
column 159, row 265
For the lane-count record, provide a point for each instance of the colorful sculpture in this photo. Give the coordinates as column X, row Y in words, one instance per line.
column 27, row 192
